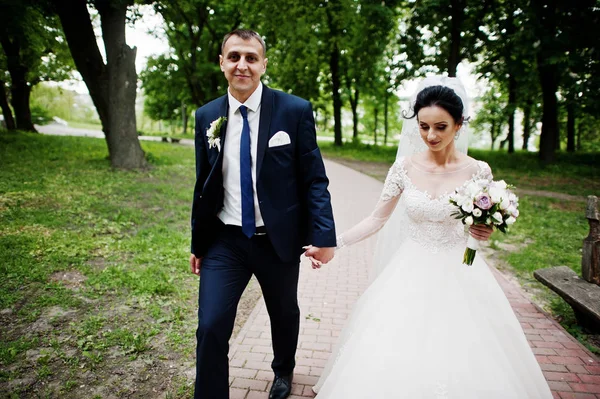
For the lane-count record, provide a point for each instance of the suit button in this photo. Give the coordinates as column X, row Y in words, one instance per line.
column 200, row 197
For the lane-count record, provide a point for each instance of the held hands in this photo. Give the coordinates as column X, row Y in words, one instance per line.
column 319, row 256
column 481, row 232
column 195, row 264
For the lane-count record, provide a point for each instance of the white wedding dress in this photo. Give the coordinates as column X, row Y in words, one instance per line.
column 429, row 326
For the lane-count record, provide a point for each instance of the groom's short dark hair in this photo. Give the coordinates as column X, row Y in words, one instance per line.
column 245, row 34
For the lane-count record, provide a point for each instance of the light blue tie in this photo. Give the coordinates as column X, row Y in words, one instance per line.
column 248, row 225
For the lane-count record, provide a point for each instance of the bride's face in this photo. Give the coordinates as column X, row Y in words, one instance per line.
column 437, row 127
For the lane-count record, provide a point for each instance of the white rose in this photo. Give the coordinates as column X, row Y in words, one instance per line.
column 472, row 189
column 469, row 220
column 467, row 206
column 495, row 194
column 501, row 184
column 477, row 212
column 505, row 203
column 515, row 213
column 497, row 216
column 510, row 220
column 512, row 197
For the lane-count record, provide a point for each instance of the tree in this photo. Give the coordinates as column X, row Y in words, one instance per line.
column 369, row 30
column 492, row 115
column 160, row 104
column 34, row 51
column 439, row 34
column 112, row 85
column 506, row 58
column 195, row 30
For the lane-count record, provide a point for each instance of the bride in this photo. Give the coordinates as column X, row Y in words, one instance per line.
column 429, row 326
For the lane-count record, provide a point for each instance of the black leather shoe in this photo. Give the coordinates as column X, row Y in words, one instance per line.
column 282, row 387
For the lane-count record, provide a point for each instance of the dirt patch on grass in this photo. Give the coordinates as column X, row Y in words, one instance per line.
column 71, row 279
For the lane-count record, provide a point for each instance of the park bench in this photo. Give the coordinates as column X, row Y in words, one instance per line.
column 581, row 293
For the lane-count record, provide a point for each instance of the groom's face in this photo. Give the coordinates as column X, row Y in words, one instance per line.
column 243, row 63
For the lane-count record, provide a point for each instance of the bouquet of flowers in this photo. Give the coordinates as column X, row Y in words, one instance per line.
column 487, row 202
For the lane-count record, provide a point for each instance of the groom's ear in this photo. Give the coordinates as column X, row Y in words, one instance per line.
column 221, row 62
column 266, row 61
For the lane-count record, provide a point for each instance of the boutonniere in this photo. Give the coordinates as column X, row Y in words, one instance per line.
column 214, row 132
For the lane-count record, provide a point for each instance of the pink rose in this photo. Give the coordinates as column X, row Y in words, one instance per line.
column 483, row 202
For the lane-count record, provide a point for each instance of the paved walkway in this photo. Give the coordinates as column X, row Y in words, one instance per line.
column 328, row 295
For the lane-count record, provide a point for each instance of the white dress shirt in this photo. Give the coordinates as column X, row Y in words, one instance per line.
column 232, row 201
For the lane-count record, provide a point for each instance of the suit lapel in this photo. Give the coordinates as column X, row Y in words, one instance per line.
column 217, row 163
column 266, row 111
column 223, row 112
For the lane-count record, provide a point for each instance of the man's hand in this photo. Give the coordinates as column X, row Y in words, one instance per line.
column 319, row 256
column 195, row 264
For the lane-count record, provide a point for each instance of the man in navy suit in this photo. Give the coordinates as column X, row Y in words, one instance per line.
column 260, row 197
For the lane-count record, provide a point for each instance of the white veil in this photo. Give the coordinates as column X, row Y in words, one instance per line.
column 394, row 231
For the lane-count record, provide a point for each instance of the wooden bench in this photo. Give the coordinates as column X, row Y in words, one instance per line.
column 582, row 293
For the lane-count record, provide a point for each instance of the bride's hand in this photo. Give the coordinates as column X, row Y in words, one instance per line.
column 481, row 232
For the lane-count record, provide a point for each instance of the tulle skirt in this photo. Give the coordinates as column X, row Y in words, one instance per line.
column 431, row 327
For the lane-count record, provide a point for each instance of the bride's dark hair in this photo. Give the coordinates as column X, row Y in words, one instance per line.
column 441, row 96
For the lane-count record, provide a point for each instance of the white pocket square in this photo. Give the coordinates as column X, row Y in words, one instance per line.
column 280, row 138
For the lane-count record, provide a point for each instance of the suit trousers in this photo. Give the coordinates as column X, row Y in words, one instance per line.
column 225, row 272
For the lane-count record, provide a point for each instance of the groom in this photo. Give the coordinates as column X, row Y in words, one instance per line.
column 260, row 196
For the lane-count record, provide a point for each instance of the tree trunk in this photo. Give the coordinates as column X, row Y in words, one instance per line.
column 354, row 105
column 184, row 117
column 493, row 134
column 20, row 89
column 111, row 86
column 526, row 124
column 385, row 118
column 334, row 61
column 457, row 10
column 548, row 74
column 512, row 99
column 549, row 135
column 20, row 93
column 578, row 131
column 6, row 111
column 570, row 127
column 376, row 114
column 334, row 68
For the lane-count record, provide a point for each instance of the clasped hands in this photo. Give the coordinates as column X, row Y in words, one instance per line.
column 318, row 256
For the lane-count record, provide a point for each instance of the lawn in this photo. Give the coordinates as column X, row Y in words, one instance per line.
column 96, row 296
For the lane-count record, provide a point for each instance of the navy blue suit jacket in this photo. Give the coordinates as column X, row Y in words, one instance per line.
column 291, row 182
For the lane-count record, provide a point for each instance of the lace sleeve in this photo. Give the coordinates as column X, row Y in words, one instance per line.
column 485, row 172
column 393, row 187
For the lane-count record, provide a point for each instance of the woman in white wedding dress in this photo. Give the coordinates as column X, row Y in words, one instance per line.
column 429, row 326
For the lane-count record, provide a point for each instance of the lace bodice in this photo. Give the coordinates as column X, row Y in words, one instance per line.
column 424, row 218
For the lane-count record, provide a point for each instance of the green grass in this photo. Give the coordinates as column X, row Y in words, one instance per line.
column 63, row 209
column 359, row 152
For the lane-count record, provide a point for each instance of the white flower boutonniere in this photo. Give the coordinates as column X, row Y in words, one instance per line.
column 214, row 133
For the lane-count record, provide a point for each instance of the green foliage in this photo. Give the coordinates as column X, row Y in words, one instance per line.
column 34, row 36
column 162, row 72
column 62, row 103
column 492, row 117
column 194, row 29
column 40, row 115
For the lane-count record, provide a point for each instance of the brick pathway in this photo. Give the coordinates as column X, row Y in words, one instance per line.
column 327, row 296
